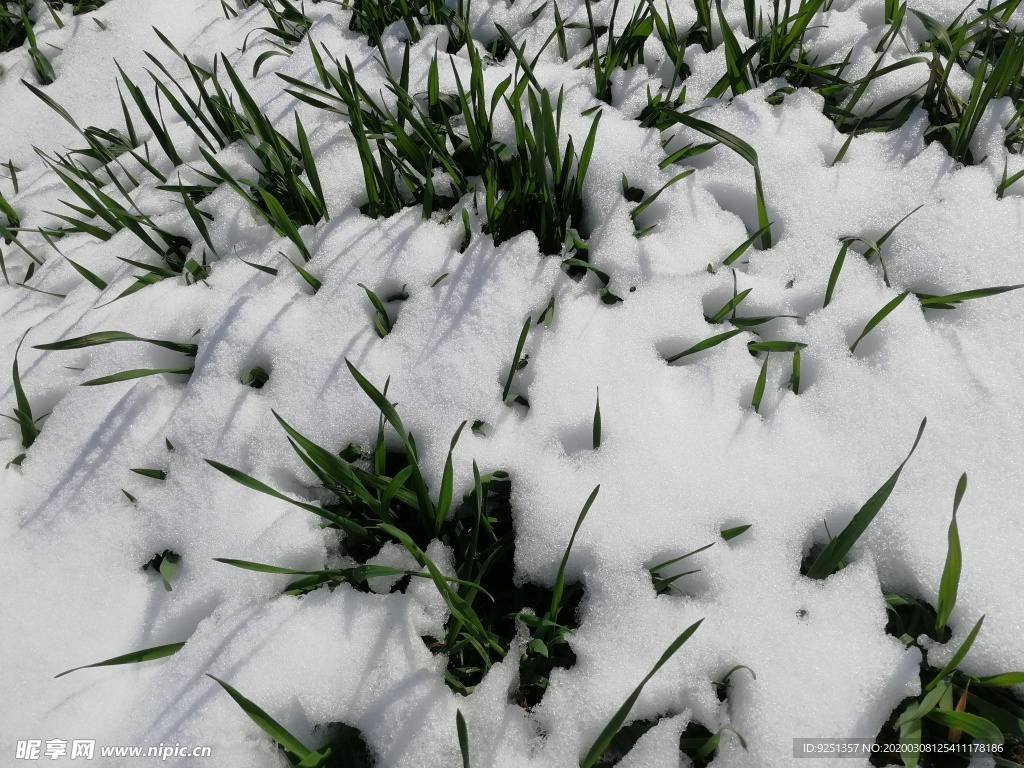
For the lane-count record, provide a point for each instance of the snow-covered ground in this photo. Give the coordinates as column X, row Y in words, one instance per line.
column 682, row 456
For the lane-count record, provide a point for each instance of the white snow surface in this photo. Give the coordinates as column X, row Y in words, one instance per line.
column 683, row 454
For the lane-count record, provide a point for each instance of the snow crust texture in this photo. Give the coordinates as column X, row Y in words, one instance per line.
column 683, row 455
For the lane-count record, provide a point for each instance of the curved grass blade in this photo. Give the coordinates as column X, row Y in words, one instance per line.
column 90, row 276
column 744, row 150
column 270, row 726
column 951, row 570
column 251, row 482
column 928, row 301
column 880, row 315
column 23, row 413
column 828, row 561
column 515, row 361
column 606, row 736
column 157, row 652
column 556, row 594
column 137, row 373
column 729, row 306
column 981, row 729
column 700, row 346
column 958, row 657
column 107, row 337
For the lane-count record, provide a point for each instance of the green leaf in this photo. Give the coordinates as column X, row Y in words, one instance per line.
column 700, row 346
column 460, row 725
column 156, row 474
column 515, row 361
column 833, row 277
column 157, row 652
column 730, row 306
column 951, row 570
column 958, row 657
column 250, row 482
column 978, row 727
column 732, row 533
column 910, row 739
column 270, row 726
column 90, row 276
column 776, row 346
column 1004, row 680
column 556, row 594
column 929, row 301
column 597, row 750
column 444, row 499
column 597, row 421
column 880, row 315
column 762, row 377
column 135, row 374
column 107, row 337
column 828, row 561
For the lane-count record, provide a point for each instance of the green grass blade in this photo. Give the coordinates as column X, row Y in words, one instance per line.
column 833, row 277
column 700, row 346
column 981, row 729
column 107, row 337
column 958, row 657
column 728, row 534
column 460, row 725
column 90, row 276
column 951, row 570
column 936, row 302
column 137, row 373
column 762, row 378
column 731, row 258
column 605, row 739
column 444, row 499
column 515, row 361
column 833, row 554
column 157, row 652
column 556, row 594
column 251, row 482
column 879, row 316
column 270, row 726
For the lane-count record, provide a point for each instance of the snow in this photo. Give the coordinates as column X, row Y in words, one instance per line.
column 682, row 456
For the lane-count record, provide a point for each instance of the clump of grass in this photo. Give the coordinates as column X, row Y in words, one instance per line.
column 381, row 497
column 984, row 44
column 952, row 703
column 620, row 50
column 372, row 17
column 13, row 19
column 528, row 185
column 777, row 52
